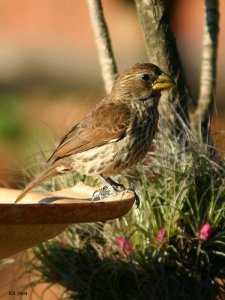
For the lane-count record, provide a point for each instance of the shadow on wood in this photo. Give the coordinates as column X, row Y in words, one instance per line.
column 39, row 217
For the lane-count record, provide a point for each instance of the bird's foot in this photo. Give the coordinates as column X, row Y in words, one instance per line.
column 102, row 193
column 137, row 197
column 112, row 188
column 111, row 184
column 118, row 187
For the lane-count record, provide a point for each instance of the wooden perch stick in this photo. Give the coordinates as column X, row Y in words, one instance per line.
column 208, row 67
column 162, row 50
column 104, row 48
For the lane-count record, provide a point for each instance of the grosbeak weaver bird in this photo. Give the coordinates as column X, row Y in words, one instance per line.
column 116, row 134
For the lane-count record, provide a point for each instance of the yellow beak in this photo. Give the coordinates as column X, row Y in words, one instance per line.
column 163, row 82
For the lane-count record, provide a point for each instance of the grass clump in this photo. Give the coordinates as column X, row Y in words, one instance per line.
column 172, row 247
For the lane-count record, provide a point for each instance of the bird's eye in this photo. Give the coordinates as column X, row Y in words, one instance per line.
column 145, row 77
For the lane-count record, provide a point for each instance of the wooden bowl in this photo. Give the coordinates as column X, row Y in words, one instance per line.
column 39, row 217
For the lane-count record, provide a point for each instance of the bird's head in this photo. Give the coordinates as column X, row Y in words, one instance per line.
column 140, row 82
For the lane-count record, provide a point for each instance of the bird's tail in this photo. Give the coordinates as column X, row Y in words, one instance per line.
column 50, row 172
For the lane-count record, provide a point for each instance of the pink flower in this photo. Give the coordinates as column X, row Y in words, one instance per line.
column 205, row 231
column 125, row 245
column 161, row 236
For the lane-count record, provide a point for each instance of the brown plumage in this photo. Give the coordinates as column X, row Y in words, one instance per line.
column 117, row 133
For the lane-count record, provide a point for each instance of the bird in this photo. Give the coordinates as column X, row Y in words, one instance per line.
column 115, row 135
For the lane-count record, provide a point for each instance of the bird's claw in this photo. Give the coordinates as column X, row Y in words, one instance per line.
column 119, row 187
column 136, row 196
column 105, row 192
column 101, row 194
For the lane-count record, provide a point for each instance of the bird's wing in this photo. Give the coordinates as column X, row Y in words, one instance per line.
column 108, row 122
